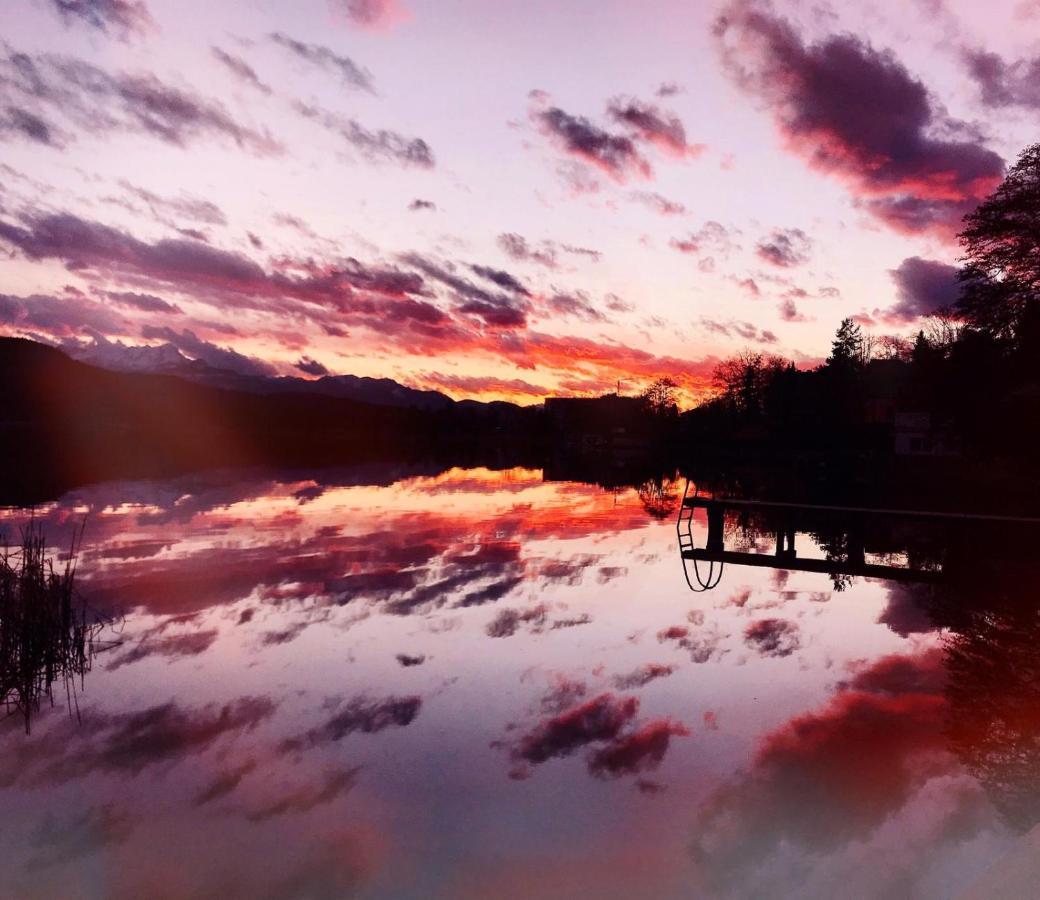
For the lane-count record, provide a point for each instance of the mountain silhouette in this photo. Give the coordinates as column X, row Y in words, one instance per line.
column 166, row 359
column 66, row 422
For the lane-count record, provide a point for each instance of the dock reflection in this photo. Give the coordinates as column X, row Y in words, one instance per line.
column 844, row 542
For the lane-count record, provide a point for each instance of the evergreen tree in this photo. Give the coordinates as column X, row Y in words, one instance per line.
column 847, row 346
column 921, row 352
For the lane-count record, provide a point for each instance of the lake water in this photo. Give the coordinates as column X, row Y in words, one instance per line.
column 477, row 683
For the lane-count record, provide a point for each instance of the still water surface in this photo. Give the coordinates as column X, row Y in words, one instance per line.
column 480, row 684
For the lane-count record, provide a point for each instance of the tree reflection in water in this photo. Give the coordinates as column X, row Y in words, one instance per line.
column 48, row 636
column 659, row 496
column 993, row 664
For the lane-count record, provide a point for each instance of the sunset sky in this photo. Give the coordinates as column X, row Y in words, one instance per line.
column 499, row 200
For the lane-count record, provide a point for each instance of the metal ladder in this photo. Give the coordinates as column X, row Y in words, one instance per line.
column 684, row 532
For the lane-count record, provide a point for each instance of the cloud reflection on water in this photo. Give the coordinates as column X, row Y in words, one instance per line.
column 325, row 685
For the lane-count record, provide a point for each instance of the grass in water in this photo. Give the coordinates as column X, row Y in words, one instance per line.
column 48, row 638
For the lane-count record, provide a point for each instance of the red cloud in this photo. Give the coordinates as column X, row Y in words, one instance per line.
column 637, row 752
column 373, row 14
column 831, row 778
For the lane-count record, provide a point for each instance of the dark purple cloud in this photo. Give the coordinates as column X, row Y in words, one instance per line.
column 171, row 646
column 143, row 302
column 642, row 676
column 773, row 637
column 359, row 715
column 166, row 731
column 240, row 69
column 516, row 246
column 81, row 243
column 502, row 278
column 654, row 125
column 575, row 304
column 377, row 297
column 128, row 743
column 923, row 287
column 744, row 330
column 856, row 113
column 605, row 725
column 788, row 310
column 224, row 783
column 99, row 102
column 495, row 309
column 311, row 367
column 599, row 719
column 58, row 316
column 509, row 621
column 197, row 209
column 658, row 203
column 785, row 247
column 614, row 154
column 15, row 120
column 567, row 571
column 1002, row 83
column 594, row 255
column 492, row 592
column 419, row 204
column 494, row 314
column 572, row 622
column 118, row 18
column 382, row 145
column 323, row 58
column 416, row 590
column 545, row 253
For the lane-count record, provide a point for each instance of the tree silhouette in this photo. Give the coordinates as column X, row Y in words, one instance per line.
column 743, row 380
column 1001, row 239
column 847, row 346
column 659, row 397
